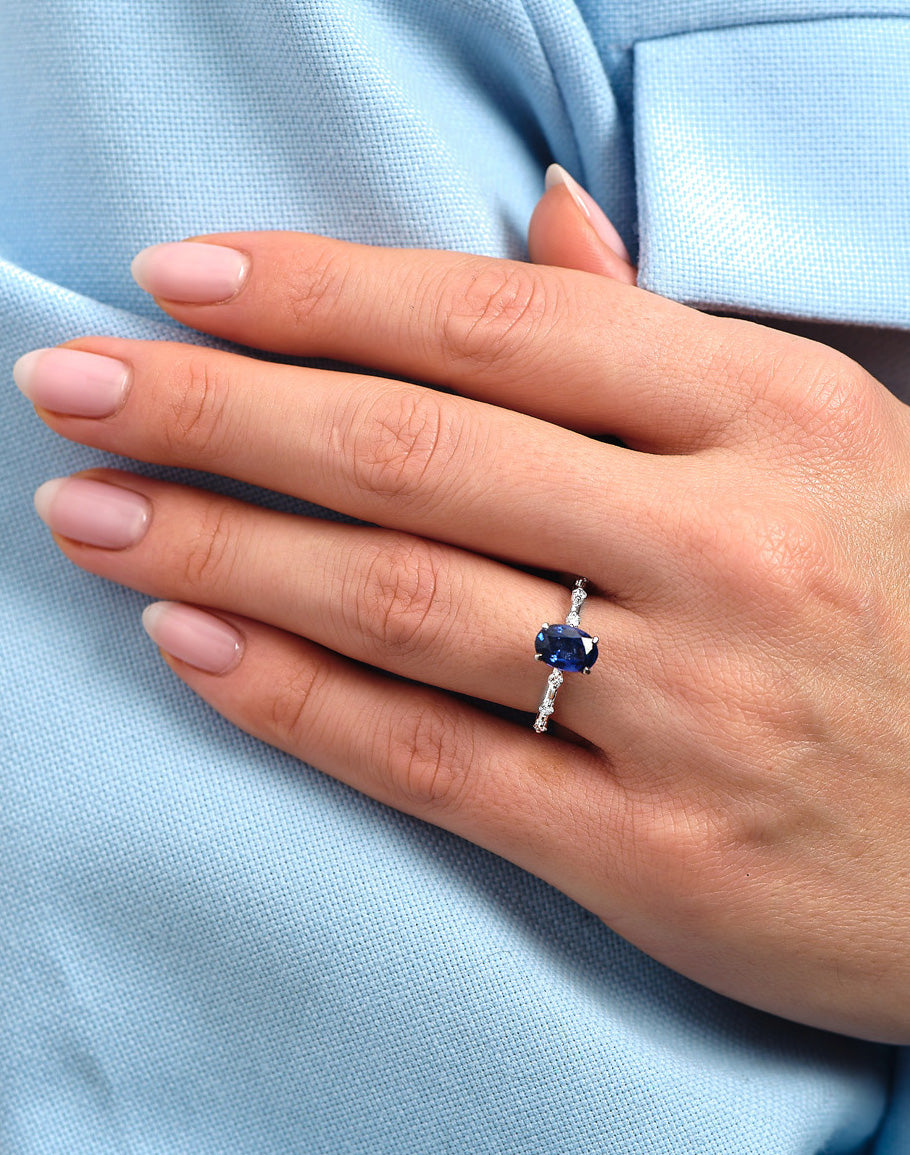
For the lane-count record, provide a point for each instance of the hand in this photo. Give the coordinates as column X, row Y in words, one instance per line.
column 729, row 791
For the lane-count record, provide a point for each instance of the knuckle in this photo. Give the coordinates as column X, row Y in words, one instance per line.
column 784, row 568
column 754, row 365
column 429, row 756
column 779, row 552
column 742, row 548
column 667, row 850
column 812, row 583
column 212, row 552
column 836, row 403
column 808, row 389
column 404, row 598
column 494, row 313
column 197, row 414
column 402, row 444
column 289, row 713
column 315, row 286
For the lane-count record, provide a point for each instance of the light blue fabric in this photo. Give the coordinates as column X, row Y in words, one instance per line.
column 804, row 191
column 206, row 947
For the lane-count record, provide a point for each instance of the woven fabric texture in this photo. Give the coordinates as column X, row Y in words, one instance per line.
column 805, row 191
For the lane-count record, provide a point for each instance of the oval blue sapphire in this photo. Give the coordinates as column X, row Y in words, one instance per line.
column 566, row 648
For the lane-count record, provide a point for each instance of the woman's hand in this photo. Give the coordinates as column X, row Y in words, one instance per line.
column 729, row 790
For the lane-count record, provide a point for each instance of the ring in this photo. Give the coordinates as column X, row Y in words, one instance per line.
column 564, row 648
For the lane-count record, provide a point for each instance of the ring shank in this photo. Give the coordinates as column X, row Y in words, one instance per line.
column 556, row 676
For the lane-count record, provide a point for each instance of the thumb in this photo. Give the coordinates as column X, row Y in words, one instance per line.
column 569, row 229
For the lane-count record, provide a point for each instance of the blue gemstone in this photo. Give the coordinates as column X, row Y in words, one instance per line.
column 566, row 648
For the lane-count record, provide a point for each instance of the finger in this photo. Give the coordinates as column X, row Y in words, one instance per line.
column 580, row 350
column 410, row 606
column 544, row 804
column 396, row 454
column 569, row 229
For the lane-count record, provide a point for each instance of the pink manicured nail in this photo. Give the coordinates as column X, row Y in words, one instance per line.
column 93, row 512
column 71, row 382
column 194, row 636
column 600, row 222
column 191, row 272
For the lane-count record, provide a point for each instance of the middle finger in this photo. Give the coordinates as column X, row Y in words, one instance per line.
column 397, row 454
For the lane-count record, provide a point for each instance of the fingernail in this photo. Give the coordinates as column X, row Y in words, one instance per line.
column 71, row 382
column 93, row 512
column 597, row 218
column 191, row 272
column 194, row 636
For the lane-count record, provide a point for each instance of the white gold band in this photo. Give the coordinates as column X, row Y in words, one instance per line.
column 556, row 677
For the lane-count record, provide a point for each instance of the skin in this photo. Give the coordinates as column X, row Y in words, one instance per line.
column 728, row 787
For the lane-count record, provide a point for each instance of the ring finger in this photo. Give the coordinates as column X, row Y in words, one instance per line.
column 426, row 611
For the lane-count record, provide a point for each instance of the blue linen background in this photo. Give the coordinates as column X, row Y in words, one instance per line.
column 206, row 946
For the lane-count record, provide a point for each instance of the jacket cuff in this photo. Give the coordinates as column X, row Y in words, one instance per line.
column 773, row 169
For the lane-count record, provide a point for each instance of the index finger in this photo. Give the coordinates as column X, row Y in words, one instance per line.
column 567, row 346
